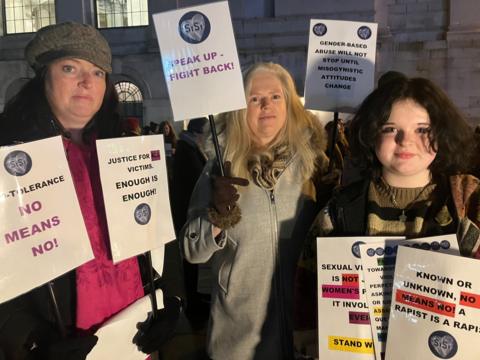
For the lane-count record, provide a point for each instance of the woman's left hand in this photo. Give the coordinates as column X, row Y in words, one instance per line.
column 153, row 333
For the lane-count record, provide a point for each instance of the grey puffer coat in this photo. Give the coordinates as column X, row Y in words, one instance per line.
column 253, row 265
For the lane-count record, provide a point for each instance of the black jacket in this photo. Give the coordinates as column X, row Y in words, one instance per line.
column 188, row 164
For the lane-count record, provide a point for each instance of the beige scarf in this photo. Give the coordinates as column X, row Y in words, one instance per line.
column 266, row 167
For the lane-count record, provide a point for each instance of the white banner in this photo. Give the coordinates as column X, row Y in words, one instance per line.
column 116, row 334
column 200, row 60
column 435, row 311
column 43, row 233
column 135, row 190
column 378, row 260
column 343, row 319
column 340, row 64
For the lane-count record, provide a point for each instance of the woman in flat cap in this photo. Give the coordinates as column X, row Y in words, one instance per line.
column 71, row 96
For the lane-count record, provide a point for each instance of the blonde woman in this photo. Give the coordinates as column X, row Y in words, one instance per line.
column 252, row 222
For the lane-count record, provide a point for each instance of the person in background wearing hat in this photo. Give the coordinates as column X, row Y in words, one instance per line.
column 188, row 164
column 71, row 96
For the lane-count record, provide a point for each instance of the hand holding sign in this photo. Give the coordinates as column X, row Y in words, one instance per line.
column 153, row 333
column 225, row 194
column 226, row 213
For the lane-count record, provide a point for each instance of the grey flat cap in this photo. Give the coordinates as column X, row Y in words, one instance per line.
column 71, row 40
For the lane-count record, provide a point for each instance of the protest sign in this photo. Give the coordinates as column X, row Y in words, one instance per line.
column 435, row 310
column 135, row 190
column 116, row 334
column 378, row 261
column 43, row 233
column 343, row 319
column 340, row 64
column 200, row 60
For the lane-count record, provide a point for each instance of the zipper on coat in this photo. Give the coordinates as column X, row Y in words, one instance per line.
column 272, row 197
column 277, row 279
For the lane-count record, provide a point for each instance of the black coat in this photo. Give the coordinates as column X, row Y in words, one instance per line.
column 188, row 164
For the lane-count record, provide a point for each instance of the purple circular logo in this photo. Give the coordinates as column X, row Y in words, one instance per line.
column 142, row 214
column 18, row 163
column 319, row 29
column 442, row 344
column 194, row 27
column 364, row 32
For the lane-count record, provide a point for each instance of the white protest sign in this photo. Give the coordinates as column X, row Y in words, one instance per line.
column 116, row 334
column 435, row 311
column 378, row 261
column 43, row 233
column 135, row 190
column 200, row 60
column 340, row 64
column 343, row 320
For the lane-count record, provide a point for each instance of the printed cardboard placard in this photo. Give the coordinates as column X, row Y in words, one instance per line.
column 116, row 334
column 340, row 64
column 135, row 190
column 43, row 233
column 378, row 260
column 343, row 319
column 200, row 60
column 435, row 311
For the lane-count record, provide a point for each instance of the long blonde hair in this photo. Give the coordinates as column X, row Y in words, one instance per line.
column 300, row 127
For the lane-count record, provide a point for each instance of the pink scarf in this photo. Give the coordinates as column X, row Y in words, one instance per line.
column 103, row 289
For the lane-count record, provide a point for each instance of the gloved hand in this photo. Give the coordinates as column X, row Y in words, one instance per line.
column 224, row 194
column 153, row 333
column 225, row 213
column 75, row 348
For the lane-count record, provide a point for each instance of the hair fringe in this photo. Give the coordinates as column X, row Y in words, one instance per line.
column 451, row 135
column 303, row 133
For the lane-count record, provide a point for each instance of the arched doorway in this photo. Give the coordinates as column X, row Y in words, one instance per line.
column 131, row 100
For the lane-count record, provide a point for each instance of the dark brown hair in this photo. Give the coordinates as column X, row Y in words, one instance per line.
column 28, row 116
column 171, row 137
column 450, row 135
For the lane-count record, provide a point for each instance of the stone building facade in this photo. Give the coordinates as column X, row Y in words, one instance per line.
column 437, row 39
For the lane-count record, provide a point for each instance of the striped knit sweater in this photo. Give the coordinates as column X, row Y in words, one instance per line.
column 386, row 204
